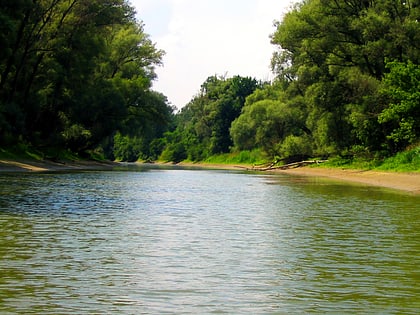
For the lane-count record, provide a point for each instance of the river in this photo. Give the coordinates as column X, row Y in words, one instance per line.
column 181, row 241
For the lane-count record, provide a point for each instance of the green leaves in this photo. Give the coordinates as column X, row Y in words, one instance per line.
column 203, row 124
column 77, row 71
column 332, row 54
column 402, row 87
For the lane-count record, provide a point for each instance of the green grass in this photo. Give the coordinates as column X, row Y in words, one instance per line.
column 59, row 154
column 243, row 157
column 96, row 155
column 406, row 161
column 20, row 152
column 351, row 163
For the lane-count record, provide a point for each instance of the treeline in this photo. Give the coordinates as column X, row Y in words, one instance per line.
column 202, row 126
column 347, row 83
column 77, row 75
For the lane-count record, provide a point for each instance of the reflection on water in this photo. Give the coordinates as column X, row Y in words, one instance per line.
column 189, row 241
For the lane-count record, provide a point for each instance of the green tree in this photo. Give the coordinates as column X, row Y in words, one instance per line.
column 203, row 124
column 145, row 124
column 332, row 53
column 267, row 119
column 401, row 118
column 74, row 72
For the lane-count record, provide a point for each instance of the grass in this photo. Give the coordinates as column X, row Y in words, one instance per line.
column 351, row 163
column 405, row 161
column 243, row 157
column 22, row 151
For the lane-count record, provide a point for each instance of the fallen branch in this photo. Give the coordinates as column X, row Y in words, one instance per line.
column 273, row 166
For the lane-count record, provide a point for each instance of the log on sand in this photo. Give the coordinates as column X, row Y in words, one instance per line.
column 273, row 166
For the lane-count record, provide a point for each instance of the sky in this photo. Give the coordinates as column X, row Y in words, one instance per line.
column 202, row 38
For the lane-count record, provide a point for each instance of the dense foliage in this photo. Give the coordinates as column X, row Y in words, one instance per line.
column 347, row 83
column 203, row 124
column 352, row 64
column 75, row 72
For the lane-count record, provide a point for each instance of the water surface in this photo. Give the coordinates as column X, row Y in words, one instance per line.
column 175, row 241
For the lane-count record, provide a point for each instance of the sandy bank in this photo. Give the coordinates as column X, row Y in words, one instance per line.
column 46, row 165
column 409, row 182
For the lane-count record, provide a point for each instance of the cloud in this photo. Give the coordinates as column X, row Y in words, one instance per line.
column 207, row 37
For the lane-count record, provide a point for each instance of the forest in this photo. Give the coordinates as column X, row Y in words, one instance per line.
column 77, row 75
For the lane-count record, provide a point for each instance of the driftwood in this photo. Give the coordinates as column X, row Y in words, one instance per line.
column 273, row 166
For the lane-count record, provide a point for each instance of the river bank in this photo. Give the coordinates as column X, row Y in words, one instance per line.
column 409, row 182
column 51, row 166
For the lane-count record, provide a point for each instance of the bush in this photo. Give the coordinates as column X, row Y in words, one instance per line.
column 408, row 160
column 126, row 148
column 242, row 157
column 296, row 146
column 174, row 153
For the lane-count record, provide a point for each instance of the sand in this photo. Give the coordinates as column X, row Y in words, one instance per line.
column 45, row 165
column 409, row 182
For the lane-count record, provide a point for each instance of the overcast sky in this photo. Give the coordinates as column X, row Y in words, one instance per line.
column 207, row 37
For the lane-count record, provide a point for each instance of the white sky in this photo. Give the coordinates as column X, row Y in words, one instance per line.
column 207, row 37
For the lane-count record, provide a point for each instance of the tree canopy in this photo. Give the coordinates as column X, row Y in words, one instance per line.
column 203, row 124
column 77, row 74
column 73, row 73
column 346, row 83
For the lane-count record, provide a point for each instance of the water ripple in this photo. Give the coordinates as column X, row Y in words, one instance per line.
column 188, row 242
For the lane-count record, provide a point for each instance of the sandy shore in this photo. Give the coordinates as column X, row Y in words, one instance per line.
column 409, row 182
column 45, row 165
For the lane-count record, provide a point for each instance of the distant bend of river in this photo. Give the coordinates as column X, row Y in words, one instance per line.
column 180, row 241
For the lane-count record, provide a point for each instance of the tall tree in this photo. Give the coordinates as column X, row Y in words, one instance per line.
column 72, row 71
column 333, row 54
column 203, row 124
column 401, row 86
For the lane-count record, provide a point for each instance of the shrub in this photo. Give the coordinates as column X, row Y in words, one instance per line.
column 296, row 146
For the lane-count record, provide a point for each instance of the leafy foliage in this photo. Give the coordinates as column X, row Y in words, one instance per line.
column 347, row 84
column 401, row 116
column 77, row 74
column 73, row 73
column 333, row 56
column 203, row 125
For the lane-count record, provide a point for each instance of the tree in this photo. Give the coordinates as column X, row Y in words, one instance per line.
column 401, row 118
column 143, row 128
column 332, row 53
column 72, row 72
column 203, row 124
column 267, row 119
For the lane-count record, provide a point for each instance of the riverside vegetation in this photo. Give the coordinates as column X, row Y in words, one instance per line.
column 76, row 76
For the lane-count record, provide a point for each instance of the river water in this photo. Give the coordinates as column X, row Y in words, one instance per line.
column 179, row 241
